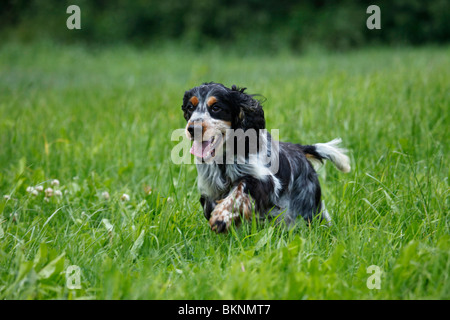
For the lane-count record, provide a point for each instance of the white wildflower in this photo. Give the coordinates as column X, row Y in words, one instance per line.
column 48, row 192
column 46, row 199
column 34, row 192
column 125, row 197
column 30, row 189
column 7, row 197
column 58, row 193
column 105, row 195
column 39, row 188
column 55, row 182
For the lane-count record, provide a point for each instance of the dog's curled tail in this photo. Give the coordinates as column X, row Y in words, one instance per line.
column 329, row 151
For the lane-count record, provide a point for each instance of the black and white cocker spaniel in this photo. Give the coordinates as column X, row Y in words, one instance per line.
column 242, row 169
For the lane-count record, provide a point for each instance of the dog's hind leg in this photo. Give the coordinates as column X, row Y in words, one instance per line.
column 305, row 198
column 325, row 215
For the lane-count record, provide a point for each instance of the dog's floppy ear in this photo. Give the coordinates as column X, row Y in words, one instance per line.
column 250, row 113
column 186, row 97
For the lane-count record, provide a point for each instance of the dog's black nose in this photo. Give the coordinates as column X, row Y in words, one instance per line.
column 192, row 129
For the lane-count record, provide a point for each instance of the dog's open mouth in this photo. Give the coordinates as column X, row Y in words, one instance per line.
column 206, row 149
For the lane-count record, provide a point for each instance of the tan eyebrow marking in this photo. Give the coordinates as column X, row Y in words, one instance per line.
column 211, row 101
column 194, row 101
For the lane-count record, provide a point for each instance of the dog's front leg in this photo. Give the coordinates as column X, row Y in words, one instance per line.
column 236, row 205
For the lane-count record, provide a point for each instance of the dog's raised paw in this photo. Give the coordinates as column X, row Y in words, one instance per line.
column 221, row 218
column 219, row 226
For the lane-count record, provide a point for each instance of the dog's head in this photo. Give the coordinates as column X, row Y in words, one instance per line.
column 211, row 109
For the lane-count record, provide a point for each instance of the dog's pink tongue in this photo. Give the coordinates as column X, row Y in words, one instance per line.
column 198, row 148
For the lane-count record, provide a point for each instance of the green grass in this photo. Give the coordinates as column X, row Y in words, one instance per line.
column 101, row 119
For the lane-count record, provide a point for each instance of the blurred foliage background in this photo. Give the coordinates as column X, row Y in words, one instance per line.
column 249, row 24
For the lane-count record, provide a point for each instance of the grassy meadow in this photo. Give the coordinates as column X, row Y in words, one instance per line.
column 100, row 120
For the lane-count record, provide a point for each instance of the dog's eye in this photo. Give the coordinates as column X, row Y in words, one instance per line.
column 190, row 107
column 215, row 108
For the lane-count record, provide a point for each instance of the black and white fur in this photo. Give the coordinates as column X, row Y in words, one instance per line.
column 229, row 190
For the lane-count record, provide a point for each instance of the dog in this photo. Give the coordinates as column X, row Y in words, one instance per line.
column 233, row 180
